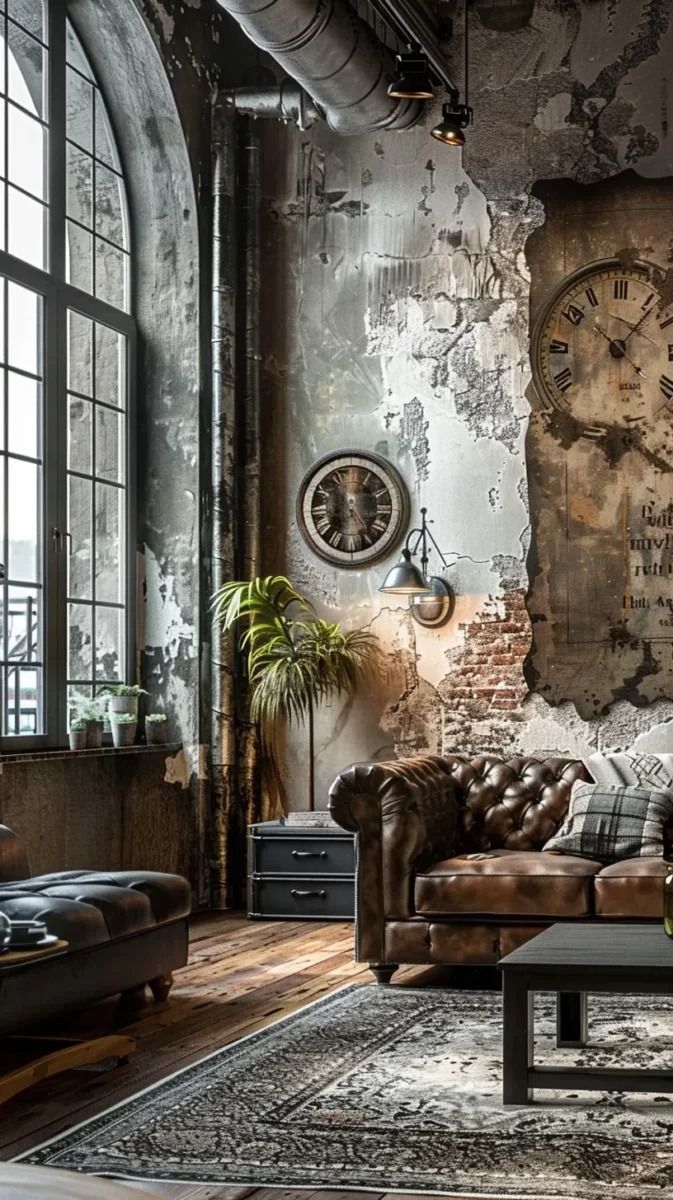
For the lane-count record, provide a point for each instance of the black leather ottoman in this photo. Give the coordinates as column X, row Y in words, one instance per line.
column 124, row 929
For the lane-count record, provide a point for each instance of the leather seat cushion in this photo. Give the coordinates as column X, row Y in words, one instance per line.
column 631, row 888
column 508, row 883
column 90, row 907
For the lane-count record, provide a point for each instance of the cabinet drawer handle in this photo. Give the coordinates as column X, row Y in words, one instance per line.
column 309, row 854
column 294, row 892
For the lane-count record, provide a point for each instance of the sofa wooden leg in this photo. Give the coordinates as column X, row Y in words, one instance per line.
column 161, row 986
column 383, row 972
column 131, row 1002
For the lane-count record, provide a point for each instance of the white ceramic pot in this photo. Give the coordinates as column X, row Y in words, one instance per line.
column 123, row 734
column 123, row 704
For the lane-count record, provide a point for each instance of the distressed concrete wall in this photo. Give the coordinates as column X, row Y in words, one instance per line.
column 397, row 316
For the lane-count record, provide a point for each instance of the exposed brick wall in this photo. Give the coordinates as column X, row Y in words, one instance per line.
column 484, row 691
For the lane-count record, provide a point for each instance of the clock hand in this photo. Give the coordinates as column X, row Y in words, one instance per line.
column 632, row 327
column 617, row 348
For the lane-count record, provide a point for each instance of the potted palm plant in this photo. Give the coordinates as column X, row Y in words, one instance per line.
column 295, row 659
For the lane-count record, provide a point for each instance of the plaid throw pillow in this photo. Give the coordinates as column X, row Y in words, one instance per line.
column 612, row 823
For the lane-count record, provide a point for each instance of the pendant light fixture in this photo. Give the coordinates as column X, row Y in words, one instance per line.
column 456, row 116
column 412, row 79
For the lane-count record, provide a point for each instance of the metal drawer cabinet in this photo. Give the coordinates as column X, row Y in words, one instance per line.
column 300, row 871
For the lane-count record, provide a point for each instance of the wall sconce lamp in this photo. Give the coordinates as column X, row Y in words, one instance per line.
column 412, row 79
column 431, row 600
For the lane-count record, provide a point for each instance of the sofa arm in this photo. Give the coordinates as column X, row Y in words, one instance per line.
column 13, row 857
column 405, row 816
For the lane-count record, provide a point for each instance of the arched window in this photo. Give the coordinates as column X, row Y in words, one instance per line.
column 67, row 351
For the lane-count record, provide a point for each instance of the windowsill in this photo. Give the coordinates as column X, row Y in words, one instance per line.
column 103, row 752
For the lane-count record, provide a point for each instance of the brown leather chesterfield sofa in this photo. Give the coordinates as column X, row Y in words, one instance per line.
column 449, row 862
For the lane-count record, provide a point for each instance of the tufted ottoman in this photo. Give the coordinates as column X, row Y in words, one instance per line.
column 124, row 929
column 450, row 862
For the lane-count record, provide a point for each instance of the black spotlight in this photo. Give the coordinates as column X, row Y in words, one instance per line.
column 412, row 81
column 455, row 118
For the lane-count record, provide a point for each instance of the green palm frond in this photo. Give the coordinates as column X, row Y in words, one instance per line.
column 295, row 659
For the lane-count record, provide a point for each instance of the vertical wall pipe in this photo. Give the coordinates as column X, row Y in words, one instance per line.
column 249, row 764
column 223, row 794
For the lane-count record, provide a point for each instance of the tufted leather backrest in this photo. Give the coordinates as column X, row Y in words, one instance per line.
column 515, row 803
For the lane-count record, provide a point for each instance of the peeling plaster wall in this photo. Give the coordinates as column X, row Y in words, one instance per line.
column 396, row 299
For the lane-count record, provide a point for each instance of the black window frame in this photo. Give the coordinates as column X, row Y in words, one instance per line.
column 61, row 297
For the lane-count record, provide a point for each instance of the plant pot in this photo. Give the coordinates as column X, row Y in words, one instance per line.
column 124, row 734
column 668, row 904
column 123, row 704
column 78, row 739
column 94, row 735
column 156, row 733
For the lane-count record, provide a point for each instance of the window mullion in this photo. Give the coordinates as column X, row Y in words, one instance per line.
column 57, row 127
column 55, row 548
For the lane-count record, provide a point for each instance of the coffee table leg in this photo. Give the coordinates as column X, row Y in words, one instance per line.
column 517, row 1032
column 571, row 1019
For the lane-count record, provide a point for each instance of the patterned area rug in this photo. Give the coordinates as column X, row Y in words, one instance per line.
column 397, row 1089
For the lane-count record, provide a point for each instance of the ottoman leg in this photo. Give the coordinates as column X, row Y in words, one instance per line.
column 383, row 972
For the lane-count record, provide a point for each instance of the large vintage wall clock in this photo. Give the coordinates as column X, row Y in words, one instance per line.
column 352, row 508
column 602, row 349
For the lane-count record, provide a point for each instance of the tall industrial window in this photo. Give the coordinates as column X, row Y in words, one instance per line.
column 67, row 348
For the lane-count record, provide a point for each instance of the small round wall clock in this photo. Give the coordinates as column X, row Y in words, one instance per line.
column 352, row 508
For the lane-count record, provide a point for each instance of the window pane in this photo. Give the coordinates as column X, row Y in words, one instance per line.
column 79, row 110
column 24, row 701
column 110, row 366
column 111, row 274
column 23, row 521
column 27, row 71
column 32, row 14
column 108, row 527
column 109, row 643
column 80, row 658
column 2, row 436
column 27, row 150
column 24, row 314
column 24, row 411
column 79, row 251
column 79, row 186
column 79, row 527
column 106, row 148
column 27, row 228
column 80, row 330
column 24, row 624
column 74, row 54
column 109, row 206
column 109, row 445
column 79, row 434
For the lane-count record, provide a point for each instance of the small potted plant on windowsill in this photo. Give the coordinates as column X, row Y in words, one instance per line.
column 78, row 734
column 124, row 727
column 122, row 698
column 93, row 719
column 156, row 729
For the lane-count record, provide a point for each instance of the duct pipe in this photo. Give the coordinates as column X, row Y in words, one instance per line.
column 249, row 764
column 286, row 102
column 334, row 55
column 223, row 797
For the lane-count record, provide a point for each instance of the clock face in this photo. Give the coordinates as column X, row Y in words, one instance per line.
column 603, row 347
column 352, row 508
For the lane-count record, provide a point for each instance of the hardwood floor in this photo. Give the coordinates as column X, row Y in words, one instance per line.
column 242, row 975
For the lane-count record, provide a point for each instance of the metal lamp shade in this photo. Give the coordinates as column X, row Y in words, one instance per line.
column 404, row 579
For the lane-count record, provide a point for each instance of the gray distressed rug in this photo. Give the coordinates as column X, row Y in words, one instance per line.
column 397, row 1089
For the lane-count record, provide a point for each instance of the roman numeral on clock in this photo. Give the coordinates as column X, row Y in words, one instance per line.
column 335, row 539
column 666, row 323
column 666, row 386
column 647, row 301
column 621, row 289
column 574, row 314
column 670, row 352
column 558, row 347
column 563, row 380
column 591, row 297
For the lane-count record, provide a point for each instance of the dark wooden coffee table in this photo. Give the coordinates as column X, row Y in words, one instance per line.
column 572, row 960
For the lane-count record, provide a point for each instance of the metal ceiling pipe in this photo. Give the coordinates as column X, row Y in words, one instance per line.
column 334, row 55
column 287, row 101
